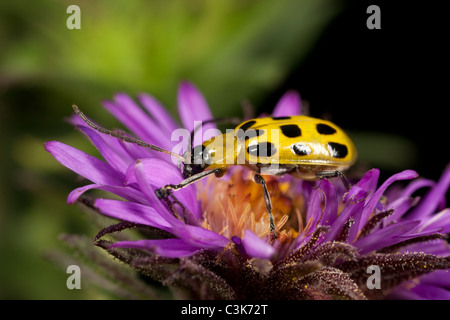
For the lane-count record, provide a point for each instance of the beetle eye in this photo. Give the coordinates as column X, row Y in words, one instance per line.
column 198, row 154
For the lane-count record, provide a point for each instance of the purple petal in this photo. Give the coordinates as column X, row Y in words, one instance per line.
column 416, row 232
column 137, row 121
column 158, row 112
column 431, row 292
column 117, row 158
column 439, row 278
column 366, row 185
column 416, row 185
column 126, row 193
column 314, row 210
column 439, row 220
column 355, row 194
column 436, row 247
column 370, row 180
column 142, row 179
column 84, row 164
column 257, row 247
column 290, row 104
column 171, row 248
column 350, row 211
column 372, row 201
column 192, row 108
column 124, row 148
column 131, row 116
column 138, row 152
column 331, row 202
column 431, row 200
column 385, row 237
column 400, row 206
column 132, row 212
column 197, row 236
column 403, row 294
column 239, row 246
column 202, row 237
column 160, row 173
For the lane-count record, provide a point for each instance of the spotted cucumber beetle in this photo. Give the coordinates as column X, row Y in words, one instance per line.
column 302, row 146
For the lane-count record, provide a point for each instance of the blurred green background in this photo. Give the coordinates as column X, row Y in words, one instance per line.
column 232, row 50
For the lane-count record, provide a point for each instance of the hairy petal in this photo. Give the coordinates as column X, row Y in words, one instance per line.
column 208, row 284
column 334, row 282
column 349, row 212
column 373, row 222
column 395, row 268
column 327, row 253
column 405, row 243
column 170, row 248
column 298, row 254
column 384, row 237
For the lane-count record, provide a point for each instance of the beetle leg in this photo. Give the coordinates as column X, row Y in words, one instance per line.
column 260, row 180
column 165, row 192
column 332, row 174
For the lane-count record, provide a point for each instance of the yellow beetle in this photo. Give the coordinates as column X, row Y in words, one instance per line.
column 302, row 146
column 299, row 145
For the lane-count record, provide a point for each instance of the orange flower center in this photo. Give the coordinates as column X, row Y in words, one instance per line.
column 232, row 205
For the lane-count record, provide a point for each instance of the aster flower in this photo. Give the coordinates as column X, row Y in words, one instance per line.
column 214, row 242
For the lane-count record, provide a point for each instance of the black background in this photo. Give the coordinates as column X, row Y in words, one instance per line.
column 391, row 80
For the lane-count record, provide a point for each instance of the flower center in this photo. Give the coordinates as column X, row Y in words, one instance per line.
column 236, row 203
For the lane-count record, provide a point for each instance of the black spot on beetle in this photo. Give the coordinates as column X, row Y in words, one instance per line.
column 291, row 130
column 244, row 127
column 301, row 149
column 281, row 118
column 247, row 125
column 251, row 133
column 323, row 128
column 262, row 149
column 337, row 150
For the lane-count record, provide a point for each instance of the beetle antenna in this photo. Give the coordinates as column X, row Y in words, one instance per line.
column 122, row 137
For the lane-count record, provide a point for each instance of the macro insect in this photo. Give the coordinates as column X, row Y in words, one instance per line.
column 304, row 147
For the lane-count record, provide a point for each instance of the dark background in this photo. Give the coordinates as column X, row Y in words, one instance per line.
column 393, row 80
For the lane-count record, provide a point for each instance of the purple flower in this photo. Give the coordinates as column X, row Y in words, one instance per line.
column 218, row 229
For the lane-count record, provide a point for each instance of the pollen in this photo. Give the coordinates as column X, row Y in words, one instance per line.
column 236, row 203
